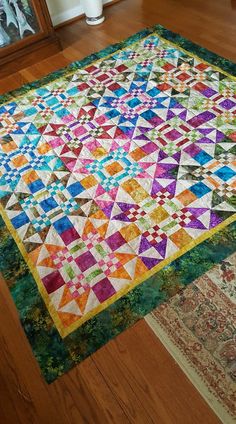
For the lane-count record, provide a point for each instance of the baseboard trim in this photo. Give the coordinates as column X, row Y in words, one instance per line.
column 72, row 14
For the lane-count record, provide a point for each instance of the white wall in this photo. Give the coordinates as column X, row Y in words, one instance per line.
column 63, row 10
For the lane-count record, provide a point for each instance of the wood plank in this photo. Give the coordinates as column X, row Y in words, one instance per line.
column 20, row 372
column 93, row 380
column 142, row 358
column 121, row 386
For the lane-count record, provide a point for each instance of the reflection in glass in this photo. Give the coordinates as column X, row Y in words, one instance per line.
column 17, row 21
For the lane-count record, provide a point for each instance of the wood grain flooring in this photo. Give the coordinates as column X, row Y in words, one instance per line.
column 132, row 379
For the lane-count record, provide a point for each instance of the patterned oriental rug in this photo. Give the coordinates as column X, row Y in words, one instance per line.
column 117, row 187
column 198, row 328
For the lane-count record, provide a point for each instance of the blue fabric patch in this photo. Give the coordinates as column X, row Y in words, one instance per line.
column 202, row 157
column 148, row 115
column 199, row 189
column 20, row 220
column 134, row 102
column 120, row 91
column 225, row 173
column 153, row 92
column 112, row 113
column 36, row 186
column 75, row 189
column 48, row 204
column 62, row 225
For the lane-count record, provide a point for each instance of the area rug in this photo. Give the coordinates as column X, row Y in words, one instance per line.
column 112, row 169
column 198, row 327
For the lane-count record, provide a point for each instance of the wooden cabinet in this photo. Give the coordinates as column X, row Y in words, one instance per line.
column 25, row 27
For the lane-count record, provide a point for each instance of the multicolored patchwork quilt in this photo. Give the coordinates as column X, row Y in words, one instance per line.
column 110, row 171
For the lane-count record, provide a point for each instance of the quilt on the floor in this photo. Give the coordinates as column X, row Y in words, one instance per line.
column 110, row 170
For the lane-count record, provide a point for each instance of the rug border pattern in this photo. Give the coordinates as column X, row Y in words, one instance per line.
column 193, row 375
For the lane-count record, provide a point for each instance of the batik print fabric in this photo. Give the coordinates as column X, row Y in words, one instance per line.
column 113, row 168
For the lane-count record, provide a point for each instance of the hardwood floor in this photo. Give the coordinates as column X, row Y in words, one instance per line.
column 132, row 379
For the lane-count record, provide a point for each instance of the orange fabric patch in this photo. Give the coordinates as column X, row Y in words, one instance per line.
column 137, row 154
column 181, row 238
column 135, row 190
column 159, row 214
column 8, row 147
column 89, row 181
column 186, row 197
column 130, row 232
column 114, row 168
column 140, row 268
column 99, row 152
column 44, row 148
column 19, row 161
column 30, row 176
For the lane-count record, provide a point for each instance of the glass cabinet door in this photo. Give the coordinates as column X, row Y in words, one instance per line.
column 17, row 21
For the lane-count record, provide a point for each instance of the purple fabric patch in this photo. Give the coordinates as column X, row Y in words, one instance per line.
column 115, row 241
column 208, row 92
column 85, row 261
column 161, row 247
column 144, row 245
column 103, row 290
column 156, row 187
column 215, row 220
column 53, row 281
column 227, row 104
column 200, row 119
column 150, row 262
column 69, row 235
column 192, row 150
column 149, row 147
column 125, row 206
column 121, row 217
column 173, row 135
